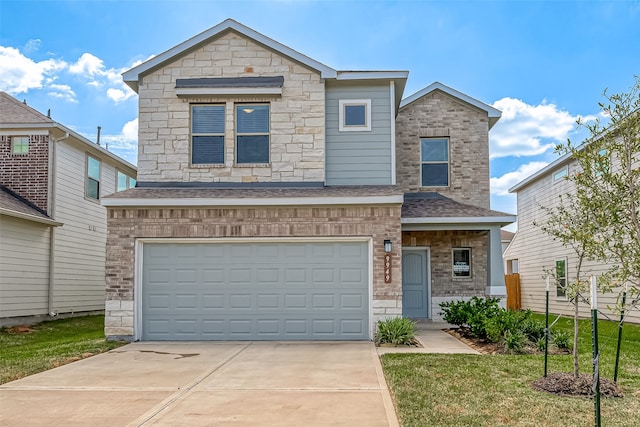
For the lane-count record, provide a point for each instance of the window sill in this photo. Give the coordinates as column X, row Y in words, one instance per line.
column 208, row 165
column 252, row 165
column 462, row 279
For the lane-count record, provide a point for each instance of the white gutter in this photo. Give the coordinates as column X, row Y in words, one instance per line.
column 461, row 220
column 254, row 201
column 30, row 217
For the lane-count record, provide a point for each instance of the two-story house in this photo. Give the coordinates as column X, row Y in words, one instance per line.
column 53, row 230
column 533, row 254
column 279, row 198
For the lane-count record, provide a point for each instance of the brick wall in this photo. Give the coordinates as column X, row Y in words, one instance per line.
column 439, row 115
column 125, row 225
column 297, row 135
column 27, row 174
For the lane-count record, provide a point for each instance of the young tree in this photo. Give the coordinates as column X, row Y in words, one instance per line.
column 607, row 185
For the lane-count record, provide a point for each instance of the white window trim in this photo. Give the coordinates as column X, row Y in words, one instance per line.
column 562, row 173
column 367, row 115
column 448, row 162
column 470, row 276
column 13, row 145
column 128, row 183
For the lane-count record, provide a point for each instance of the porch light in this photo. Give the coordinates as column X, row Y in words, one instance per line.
column 387, row 246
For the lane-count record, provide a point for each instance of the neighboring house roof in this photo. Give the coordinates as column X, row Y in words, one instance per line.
column 347, row 195
column 506, row 236
column 434, row 208
column 13, row 205
column 493, row 113
column 14, row 111
column 561, row 161
column 17, row 115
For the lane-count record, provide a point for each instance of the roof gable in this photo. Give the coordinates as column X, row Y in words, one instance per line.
column 13, row 111
column 493, row 113
column 132, row 76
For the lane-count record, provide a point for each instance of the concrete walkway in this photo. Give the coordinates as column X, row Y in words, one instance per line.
column 208, row 384
column 433, row 340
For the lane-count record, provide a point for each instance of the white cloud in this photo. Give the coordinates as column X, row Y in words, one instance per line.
column 32, row 45
column 93, row 70
column 63, row 92
column 500, row 185
column 529, row 130
column 124, row 144
column 19, row 74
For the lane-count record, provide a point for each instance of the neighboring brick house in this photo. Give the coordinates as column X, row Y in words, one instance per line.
column 279, row 198
column 52, row 227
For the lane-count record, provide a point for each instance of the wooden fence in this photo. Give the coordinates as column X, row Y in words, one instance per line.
column 513, row 291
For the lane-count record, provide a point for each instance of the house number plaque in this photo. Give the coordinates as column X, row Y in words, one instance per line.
column 387, row 268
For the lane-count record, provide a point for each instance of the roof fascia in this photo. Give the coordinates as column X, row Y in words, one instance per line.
column 493, row 113
column 28, row 217
column 457, row 221
column 540, row 173
column 132, row 76
column 253, row 201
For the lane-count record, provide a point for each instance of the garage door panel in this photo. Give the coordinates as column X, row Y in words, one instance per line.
column 255, row 291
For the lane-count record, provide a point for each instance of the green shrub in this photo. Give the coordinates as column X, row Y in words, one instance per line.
column 534, row 329
column 455, row 312
column 395, row 330
column 561, row 339
column 541, row 343
column 514, row 341
column 473, row 313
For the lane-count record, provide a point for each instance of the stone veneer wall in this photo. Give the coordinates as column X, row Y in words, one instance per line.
column 297, row 117
column 444, row 287
column 439, row 115
column 125, row 225
column 27, row 174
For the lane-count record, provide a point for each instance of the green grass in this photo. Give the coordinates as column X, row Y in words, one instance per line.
column 50, row 344
column 490, row 390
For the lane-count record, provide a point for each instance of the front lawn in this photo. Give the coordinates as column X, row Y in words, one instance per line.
column 489, row 390
column 28, row 350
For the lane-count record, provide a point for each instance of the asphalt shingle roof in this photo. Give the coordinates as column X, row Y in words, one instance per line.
column 13, row 111
column 12, row 202
column 434, row 205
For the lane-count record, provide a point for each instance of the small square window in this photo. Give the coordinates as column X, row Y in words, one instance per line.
column 354, row 115
column 558, row 175
column 20, row 144
column 461, row 262
column 124, row 181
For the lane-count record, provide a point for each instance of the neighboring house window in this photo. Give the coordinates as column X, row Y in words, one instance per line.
column 603, row 162
column 20, row 144
column 434, row 162
column 92, row 189
column 512, row 266
column 461, row 262
column 124, row 181
column 354, row 115
column 561, row 277
column 557, row 176
column 252, row 133
column 207, row 134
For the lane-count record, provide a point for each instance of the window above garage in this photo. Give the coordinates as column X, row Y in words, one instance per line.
column 271, row 85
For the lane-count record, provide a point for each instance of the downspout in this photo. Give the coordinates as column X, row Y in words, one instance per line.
column 51, row 204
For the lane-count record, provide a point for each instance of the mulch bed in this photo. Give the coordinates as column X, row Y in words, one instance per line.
column 563, row 384
column 486, row 347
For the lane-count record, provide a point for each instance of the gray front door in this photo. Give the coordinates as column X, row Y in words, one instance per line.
column 255, row 291
column 415, row 279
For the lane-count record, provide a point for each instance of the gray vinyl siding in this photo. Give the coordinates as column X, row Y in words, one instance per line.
column 79, row 272
column 24, row 267
column 536, row 251
column 359, row 158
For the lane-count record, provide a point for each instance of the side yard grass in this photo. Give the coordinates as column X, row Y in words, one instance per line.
column 26, row 351
column 490, row 390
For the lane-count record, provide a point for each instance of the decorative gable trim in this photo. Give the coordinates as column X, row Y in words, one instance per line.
column 132, row 76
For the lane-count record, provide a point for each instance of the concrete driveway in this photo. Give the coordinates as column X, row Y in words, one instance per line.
column 207, row 384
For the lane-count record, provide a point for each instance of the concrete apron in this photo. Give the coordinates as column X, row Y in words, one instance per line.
column 208, row 384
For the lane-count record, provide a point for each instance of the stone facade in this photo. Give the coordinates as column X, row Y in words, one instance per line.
column 126, row 225
column 440, row 115
column 27, row 174
column 297, row 139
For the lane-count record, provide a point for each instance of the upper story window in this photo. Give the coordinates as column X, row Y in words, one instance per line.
column 461, row 262
column 354, row 115
column 124, row 181
column 207, row 134
column 252, row 133
column 558, row 175
column 434, row 159
column 20, row 144
column 92, row 186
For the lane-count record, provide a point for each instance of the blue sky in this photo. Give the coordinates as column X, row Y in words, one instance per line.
column 543, row 63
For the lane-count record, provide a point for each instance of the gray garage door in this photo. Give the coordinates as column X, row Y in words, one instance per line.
column 255, row 291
